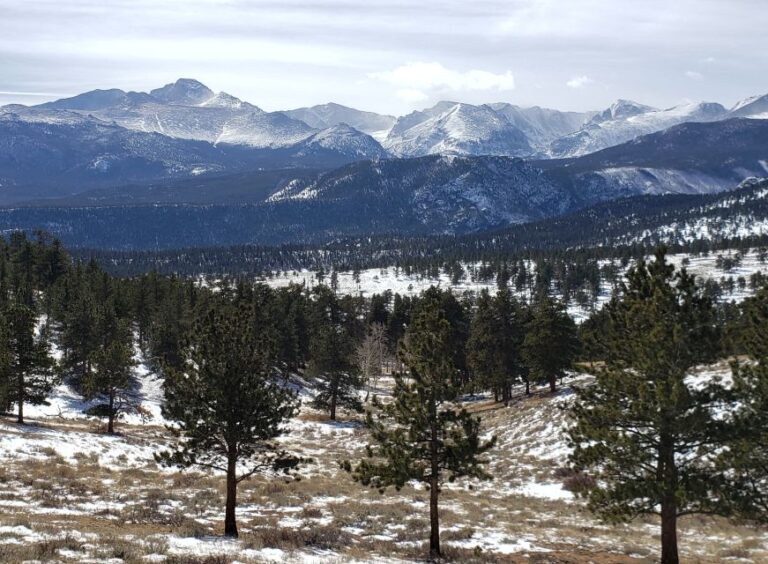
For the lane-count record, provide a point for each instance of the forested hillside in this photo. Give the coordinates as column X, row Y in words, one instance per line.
column 118, row 383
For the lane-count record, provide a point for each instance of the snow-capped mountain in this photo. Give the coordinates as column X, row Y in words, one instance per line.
column 187, row 109
column 426, row 195
column 329, row 115
column 755, row 107
column 345, row 140
column 48, row 153
column 626, row 120
column 689, row 158
column 542, row 125
column 451, row 128
column 436, row 193
column 183, row 92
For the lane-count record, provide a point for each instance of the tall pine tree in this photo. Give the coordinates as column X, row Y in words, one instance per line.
column 423, row 434
column 644, row 432
column 111, row 380
column 29, row 370
column 746, row 458
column 332, row 356
column 226, row 404
column 551, row 341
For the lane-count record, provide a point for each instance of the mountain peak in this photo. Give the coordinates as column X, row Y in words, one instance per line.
column 621, row 109
column 98, row 100
column 184, row 92
column 224, row 100
column 755, row 107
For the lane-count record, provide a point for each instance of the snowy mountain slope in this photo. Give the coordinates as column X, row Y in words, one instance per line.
column 342, row 139
column 451, row 128
column 688, row 158
column 55, row 153
column 187, row 109
column 740, row 214
column 190, row 110
column 626, row 120
column 328, row 115
column 183, row 92
column 755, row 107
column 542, row 125
column 443, row 194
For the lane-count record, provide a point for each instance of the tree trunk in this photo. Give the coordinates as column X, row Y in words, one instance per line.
column 669, row 533
column 230, row 523
column 333, row 407
column 527, row 387
column 434, row 520
column 669, row 500
column 434, row 492
column 20, row 384
column 553, row 383
column 111, row 420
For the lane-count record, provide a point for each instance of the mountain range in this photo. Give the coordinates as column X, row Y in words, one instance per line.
column 187, row 110
column 329, row 171
column 434, row 194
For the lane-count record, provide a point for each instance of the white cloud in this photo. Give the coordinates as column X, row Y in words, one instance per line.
column 419, row 76
column 693, row 75
column 579, row 81
column 411, row 95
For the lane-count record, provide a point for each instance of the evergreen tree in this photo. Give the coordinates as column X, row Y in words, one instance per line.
column 6, row 384
column 332, row 360
column 78, row 336
column 495, row 342
column 111, row 378
column 746, row 459
column 551, row 341
column 483, row 345
column 29, row 364
column 226, row 404
column 423, row 434
column 646, row 434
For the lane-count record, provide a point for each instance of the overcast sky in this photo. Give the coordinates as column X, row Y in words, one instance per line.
column 391, row 56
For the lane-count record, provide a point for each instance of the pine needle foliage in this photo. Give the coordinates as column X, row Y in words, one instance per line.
column 424, row 434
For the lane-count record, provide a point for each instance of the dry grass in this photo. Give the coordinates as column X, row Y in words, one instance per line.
column 81, row 509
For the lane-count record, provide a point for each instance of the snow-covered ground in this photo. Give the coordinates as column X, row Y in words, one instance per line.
column 379, row 280
column 70, row 492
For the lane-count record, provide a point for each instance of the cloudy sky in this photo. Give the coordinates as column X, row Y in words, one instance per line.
column 391, row 56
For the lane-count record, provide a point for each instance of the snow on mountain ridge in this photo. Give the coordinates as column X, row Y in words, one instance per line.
column 185, row 91
column 328, row 115
column 456, row 128
column 625, row 121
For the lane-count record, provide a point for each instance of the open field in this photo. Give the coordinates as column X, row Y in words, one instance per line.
column 70, row 493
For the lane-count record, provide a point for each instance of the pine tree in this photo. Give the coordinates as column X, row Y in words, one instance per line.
column 551, row 342
column 111, row 379
column 746, row 458
column 29, row 369
column 495, row 342
column 6, row 384
column 78, row 335
column 647, row 435
column 226, row 404
column 332, row 359
column 423, row 434
column 483, row 345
